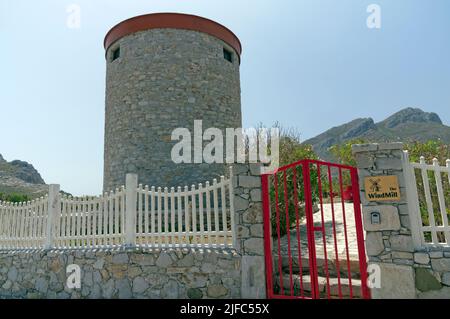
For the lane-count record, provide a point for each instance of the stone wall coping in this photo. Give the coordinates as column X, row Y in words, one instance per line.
column 206, row 250
column 436, row 248
column 373, row 147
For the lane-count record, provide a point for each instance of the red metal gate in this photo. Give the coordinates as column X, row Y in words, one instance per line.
column 313, row 234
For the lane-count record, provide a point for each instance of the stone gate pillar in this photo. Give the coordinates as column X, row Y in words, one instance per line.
column 249, row 229
column 389, row 242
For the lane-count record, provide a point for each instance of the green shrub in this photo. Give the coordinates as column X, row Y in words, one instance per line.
column 14, row 198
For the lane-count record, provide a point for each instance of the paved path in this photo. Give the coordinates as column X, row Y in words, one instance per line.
column 329, row 238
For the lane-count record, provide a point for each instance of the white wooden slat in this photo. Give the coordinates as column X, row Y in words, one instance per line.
column 216, row 213
column 172, row 216
column 224, row 210
column 38, row 222
column 153, row 216
column 208, row 214
column 194, row 215
column 22, row 225
column 77, row 202
column 61, row 241
column 72, row 217
column 116, row 207
column 94, row 220
column 180, row 216
column 101, row 220
column 9, row 225
column 414, row 204
column 426, row 186
column 186, row 214
column 159, row 199
column 14, row 225
column 146, row 214
column 201, row 215
column 441, row 199
column 110, row 219
column 80, row 219
column 29, row 226
column 139, row 219
column 86, row 224
column 166, row 216
column 1, row 225
column 231, row 199
column 122, row 214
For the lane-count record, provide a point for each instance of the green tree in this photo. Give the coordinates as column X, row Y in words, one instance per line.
column 430, row 150
column 291, row 150
column 343, row 152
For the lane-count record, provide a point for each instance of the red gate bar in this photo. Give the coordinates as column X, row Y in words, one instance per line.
column 338, row 267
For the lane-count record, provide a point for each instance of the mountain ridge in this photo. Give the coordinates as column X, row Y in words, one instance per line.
column 20, row 177
column 407, row 125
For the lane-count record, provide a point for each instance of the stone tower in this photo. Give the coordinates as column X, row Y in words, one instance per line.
column 164, row 71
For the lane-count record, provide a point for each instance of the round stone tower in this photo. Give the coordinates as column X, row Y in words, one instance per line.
column 164, row 71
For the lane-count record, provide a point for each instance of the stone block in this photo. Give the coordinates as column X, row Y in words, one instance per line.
column 397, row 282
column 254, row 246
column 358, row 148
column 403, row 255
column 443, row 293
column 426, row 281
column 364, row 160
column 422, row 258
column 256, row 195
column 254, row 215
column 217, row 291
column 401, row 243
column 120, row 259
column 385, row 163
column 240, row 203
column 389, row 220
column 446, row 279
column 374, row 243
column 255, row 169
column 164, row 260
column 253, row 279
column 390, row 146
column 436, row 254
column 441, row 264
column 249, row 181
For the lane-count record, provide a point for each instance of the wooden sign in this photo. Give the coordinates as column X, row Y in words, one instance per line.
column 382, row 188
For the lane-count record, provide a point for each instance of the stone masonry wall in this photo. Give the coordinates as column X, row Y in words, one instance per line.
column 250, row 229
column 407, row 271
column 168, row 274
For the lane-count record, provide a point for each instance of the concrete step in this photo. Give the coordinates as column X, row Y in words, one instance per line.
column 320, row 262
column 333, row 286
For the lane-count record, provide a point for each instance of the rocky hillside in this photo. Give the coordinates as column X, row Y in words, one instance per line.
column 407, row 125
column 21, row 178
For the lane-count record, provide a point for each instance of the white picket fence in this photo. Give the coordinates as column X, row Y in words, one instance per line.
column 200, row 216
column 428, row 181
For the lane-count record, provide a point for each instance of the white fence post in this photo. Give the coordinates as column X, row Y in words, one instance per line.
column 130, row 209
column 54, row 208
column 413, row 201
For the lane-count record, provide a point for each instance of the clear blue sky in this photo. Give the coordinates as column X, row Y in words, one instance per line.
column 310, row 64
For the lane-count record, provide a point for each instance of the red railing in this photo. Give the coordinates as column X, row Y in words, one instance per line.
column 313, row 258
